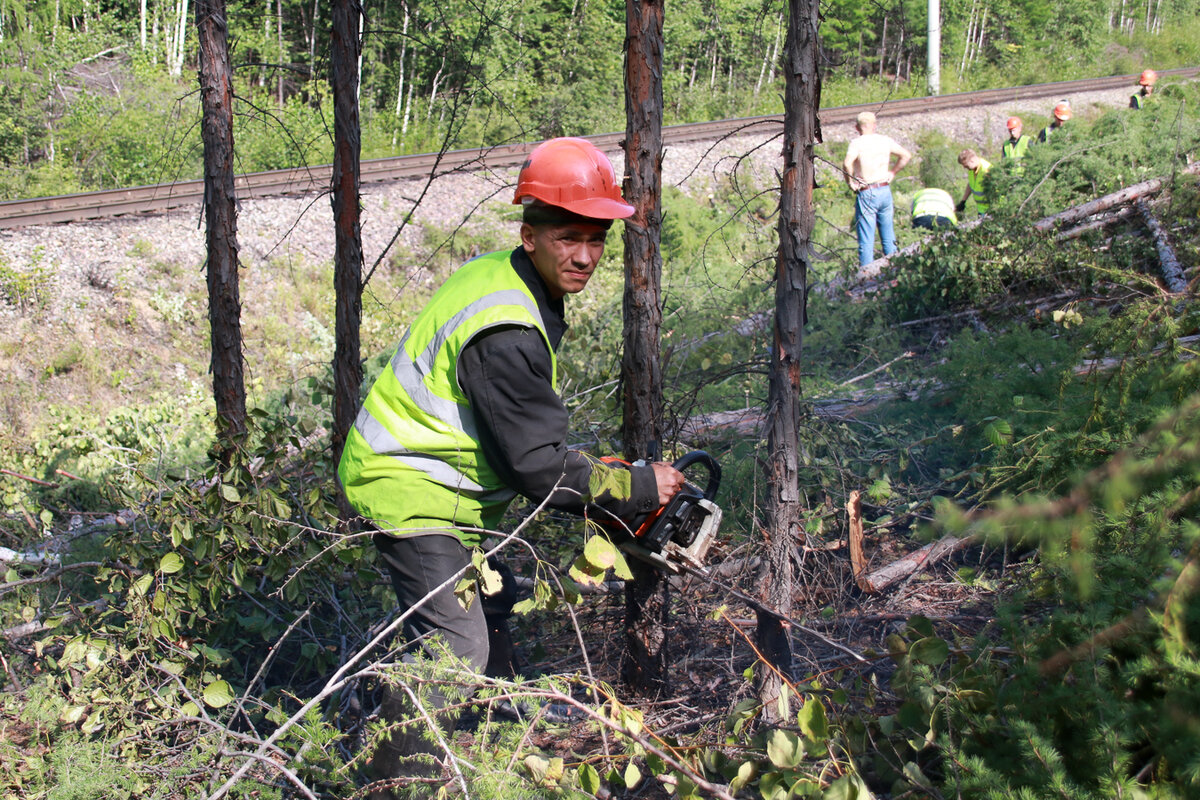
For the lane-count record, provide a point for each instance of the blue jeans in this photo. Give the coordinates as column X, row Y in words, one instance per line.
column 874, row 207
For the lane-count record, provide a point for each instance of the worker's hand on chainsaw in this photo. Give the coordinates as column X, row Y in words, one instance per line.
column 670, row 481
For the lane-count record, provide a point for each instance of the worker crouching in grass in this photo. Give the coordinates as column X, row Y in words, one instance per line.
column 466, row 416
column 933, row 209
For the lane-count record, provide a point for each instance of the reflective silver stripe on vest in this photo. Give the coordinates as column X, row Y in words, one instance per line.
column 411, row 374
column 383, row 443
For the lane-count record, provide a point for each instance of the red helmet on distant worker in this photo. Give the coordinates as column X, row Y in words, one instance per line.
column 573, row 174
column 1013, row 122
column 1149, row 78
column 1062, row 111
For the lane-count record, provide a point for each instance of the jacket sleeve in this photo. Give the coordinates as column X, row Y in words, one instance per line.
column 506, row 374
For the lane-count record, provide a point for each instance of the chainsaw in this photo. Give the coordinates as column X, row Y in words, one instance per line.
column 680, row 533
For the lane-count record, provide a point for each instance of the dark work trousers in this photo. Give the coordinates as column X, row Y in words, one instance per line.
column 418, row 565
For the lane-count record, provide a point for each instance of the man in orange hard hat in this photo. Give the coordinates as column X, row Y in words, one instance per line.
column 466, row 416
column 1146, row 81
column 1017, row 145
column 1062, row 113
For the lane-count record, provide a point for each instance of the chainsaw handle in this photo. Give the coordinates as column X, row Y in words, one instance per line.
column 709, row 463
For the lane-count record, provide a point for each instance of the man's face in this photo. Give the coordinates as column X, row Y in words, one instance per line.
column 1015, row 131
column 970, row 163
column 564, row 255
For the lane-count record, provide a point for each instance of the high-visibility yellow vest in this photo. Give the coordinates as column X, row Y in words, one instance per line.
column 935, row 203
column 975, row 181
column 413, row 461
column 1015, row 149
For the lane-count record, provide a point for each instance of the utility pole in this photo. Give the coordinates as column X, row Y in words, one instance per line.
column 933, row 50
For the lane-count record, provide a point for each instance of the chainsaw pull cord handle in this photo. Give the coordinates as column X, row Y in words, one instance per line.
column 709, row 463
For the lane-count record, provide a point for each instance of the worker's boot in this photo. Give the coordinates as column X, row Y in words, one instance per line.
column 405, row 753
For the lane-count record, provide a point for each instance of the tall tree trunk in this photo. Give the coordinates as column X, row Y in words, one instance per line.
column 933, row 53
column 400, row 80
column 312, row 39
column 346, row 45
column 883, row 46
column 801, row 131
column 647, row 596
column 279, row 47
column 220, row 217
column 962, row 64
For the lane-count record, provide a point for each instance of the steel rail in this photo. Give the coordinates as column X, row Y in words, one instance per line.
column 307, row 180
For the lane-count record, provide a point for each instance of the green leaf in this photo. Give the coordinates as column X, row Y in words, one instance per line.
column 72, row 714
column 930, row 650
column 998, row 432
column 600, row 552
column 142, row 584
column 218, row 694
column 489, row 579
column 170, row 564
column 230, row 493
column 812, row 720
column 621, row 567
column 784, row 749
column 589, row 779
column 847, row 787
column 537, row 767
column 583, row 571
column 633, row 775
column 745, row 774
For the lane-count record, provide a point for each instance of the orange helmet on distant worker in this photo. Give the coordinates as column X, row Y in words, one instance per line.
column 572, row 173
column 1149, row 78
column 1062, row 111
column 1013, row 122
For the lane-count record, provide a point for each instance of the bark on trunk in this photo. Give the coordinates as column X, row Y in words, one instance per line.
column 348, row 255
column 220, row 217
column 785, row 504
column 647, row 596
column 1171, row 268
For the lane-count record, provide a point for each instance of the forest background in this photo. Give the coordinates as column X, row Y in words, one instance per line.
column 470, row 74
column 175, row 634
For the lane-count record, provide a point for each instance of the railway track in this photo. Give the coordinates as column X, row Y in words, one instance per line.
column 305, row 180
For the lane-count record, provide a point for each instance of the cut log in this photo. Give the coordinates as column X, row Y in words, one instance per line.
column 1096, row 224
column 1172, row 270
column 901, row 568
column 1123, row 197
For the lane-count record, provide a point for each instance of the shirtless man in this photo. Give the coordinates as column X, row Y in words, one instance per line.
column 869, row 173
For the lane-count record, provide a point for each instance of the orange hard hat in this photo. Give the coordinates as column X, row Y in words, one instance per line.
column 573, row 174
column 1013, row 122
column 1149, row 78
column 1062, row 111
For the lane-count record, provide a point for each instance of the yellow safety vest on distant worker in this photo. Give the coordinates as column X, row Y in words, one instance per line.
column 934, row 203
column 413, row 461
column 1016, row 149
column 975, row 182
